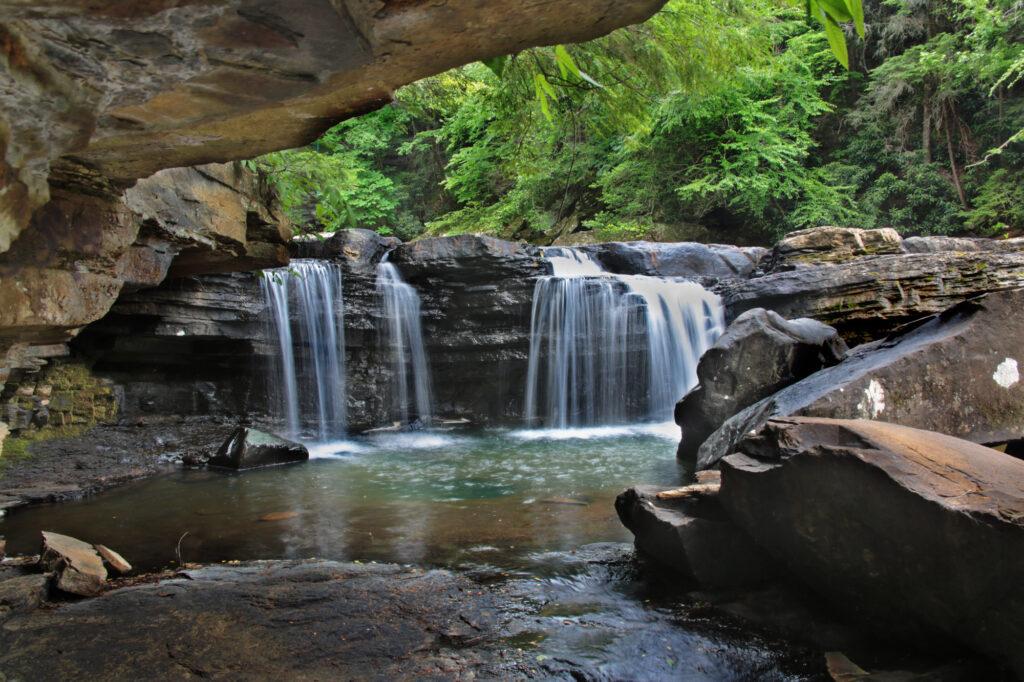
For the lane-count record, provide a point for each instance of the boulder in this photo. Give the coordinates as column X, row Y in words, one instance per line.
column 248, row 448
column 759, row 354
column 358, row 250
column 867, row 298
column 688, row 533
column 486, row 258
column 834, row 245
column 958, row 372
column 918, row 534
column 79, row 569
column 963, row 244
column 22, row 593
column 683, row 259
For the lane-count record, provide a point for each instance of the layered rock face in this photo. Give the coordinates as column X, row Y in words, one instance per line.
column 956, row 373
column 915, row 533
column 96, row 95
column 866, row 283
column 54, row 281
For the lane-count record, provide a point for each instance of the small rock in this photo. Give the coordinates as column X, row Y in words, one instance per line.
column 116, row 561
column 78, row 567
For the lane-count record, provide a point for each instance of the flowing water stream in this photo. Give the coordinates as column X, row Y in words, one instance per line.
column 613, row 349
column 306, row 305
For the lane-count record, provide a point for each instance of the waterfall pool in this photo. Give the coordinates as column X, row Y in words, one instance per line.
column 528, row 513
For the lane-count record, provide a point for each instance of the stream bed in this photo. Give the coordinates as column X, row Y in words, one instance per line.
column 527, row 514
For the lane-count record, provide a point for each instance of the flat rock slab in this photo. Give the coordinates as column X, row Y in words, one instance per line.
column 78, row 567
column 260, row 620
column 918, row 534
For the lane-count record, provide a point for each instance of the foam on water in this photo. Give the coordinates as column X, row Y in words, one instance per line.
column 667, row 430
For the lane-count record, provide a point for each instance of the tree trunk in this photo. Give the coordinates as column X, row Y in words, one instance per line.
column 926, row 129
column 948, row 126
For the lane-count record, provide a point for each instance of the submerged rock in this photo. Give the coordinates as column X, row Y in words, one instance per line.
column 958, row 373
column 692, row 535
column 248, row 448
column 915, row 533
column 79, row 569
column 759, row 354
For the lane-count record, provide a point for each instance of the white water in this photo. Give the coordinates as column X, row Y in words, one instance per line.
column 411, row 390
column 306, row 306
column 613, row 349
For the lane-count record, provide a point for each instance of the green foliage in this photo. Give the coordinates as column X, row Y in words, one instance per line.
column 728, row 121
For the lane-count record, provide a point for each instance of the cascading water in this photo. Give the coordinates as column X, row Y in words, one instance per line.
column 307, row 309
column 403, row 331
column 610, row 349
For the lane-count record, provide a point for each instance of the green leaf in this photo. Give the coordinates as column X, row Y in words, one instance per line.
column 566, row 64
column 856, row 8
column 836, row 39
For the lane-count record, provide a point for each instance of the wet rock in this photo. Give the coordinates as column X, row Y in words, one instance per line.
column 307, row 620
column 115, row 560
column 867, row 298
column 958, row 372
column 79, row 569
column 693, row 536
column 22, row 593
column 248, row 448
column 685, row 259
column 759, row 354
column 918, row 534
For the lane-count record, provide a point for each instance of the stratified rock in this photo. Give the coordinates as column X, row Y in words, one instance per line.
column 937, row 244
column 868, row 297
column 22, row 593
column 693, row 536
column 916, row 533
column 759, row 354
column 684, row 259
column 248, row 449
column 834, row 245
column 958, row 372
column 116, row 561
column 78, row 567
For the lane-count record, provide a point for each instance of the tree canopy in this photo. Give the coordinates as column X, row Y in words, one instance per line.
column 715, row 120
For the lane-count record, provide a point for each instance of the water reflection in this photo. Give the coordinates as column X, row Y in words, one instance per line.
column 412, row 498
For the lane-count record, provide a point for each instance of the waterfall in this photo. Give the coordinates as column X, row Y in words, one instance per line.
column 307, row 310
column 608, row 349
column 403, row 331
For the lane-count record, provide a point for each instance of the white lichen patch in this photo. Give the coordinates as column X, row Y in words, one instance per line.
column 873, row 402
column 1007, row 373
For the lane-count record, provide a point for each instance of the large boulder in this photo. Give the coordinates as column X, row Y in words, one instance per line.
column 687, row 532
column 915, row 533
column 759, row 354
column 248, row 448
column 867, row 296
column 682, row 259
column 79, row 569
column 958, row 372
